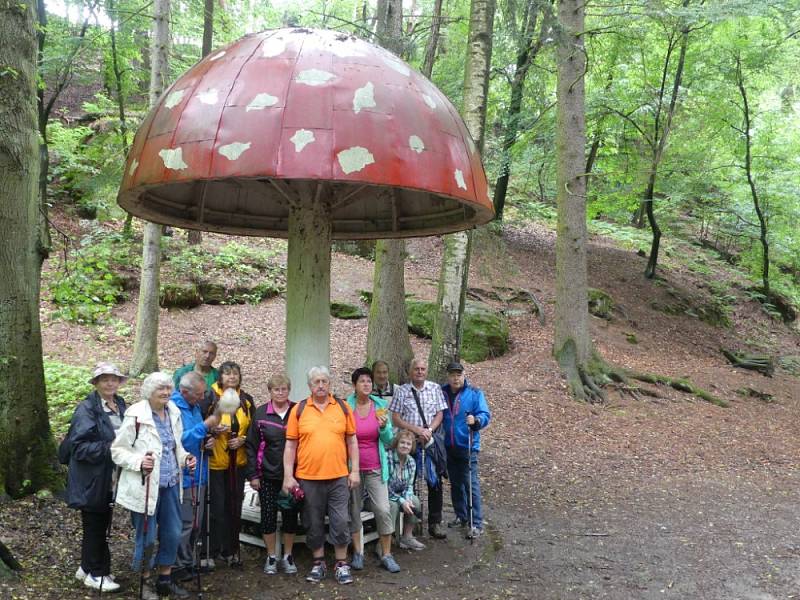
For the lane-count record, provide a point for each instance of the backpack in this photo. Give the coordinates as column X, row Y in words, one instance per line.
column 65, row 448
column 302, row 406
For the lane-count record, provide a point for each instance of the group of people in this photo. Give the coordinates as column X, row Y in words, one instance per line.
column 196, row 439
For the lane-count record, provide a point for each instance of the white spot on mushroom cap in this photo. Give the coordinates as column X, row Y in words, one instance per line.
column 397, row 65
column 218, row 55
column 174, row 98
column 261, row 101
column 173, row 158
column 301, row 139
column 133, row 167
column 209, row 96
column 364, row 97
column 234, row 150
column 416, row 144
column 460, row 179
column 429, row 101
column 345, row 49
column 273, row 46
column 314, row 77
column 354, row 159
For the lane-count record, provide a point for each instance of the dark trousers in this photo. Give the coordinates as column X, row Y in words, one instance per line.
column 95, row 556
column 435, row 494
column 226, row 511
column 462, row 468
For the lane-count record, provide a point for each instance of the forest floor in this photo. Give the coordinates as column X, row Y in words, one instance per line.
column 637, row 498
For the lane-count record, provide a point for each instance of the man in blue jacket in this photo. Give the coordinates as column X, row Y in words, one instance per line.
column 190, row 392
column 466, row 415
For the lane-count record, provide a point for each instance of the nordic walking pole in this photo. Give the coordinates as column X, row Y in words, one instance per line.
column 110, row 522
column 196, row 524
column 423, row 485
column 145, row 557
column 469, row 486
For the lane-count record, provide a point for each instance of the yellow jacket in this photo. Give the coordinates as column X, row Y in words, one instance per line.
column 241, row 421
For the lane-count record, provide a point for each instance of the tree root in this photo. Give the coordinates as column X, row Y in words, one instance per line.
column 8, row 564
column 762, row 364
column 682, row 385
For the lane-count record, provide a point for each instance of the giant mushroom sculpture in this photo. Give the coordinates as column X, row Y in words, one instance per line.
column 309, row 135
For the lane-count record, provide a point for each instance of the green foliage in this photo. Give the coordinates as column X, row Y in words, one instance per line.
column 87, row 286
column 66, row 385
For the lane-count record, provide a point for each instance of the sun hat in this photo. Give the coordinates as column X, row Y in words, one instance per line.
column 107, row 368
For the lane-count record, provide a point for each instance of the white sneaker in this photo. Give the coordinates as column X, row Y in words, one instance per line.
column 411, row 543
column 208, row 564
column 80, row 575
column 105, row 583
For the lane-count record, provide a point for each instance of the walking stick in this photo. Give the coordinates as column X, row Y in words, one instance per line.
column 469, row 485
column 145, row 528
column 425, row 486
column 108, row 528
column 196, row 523
column 233, row 496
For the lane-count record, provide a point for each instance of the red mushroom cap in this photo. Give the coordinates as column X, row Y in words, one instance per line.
column 237, row 138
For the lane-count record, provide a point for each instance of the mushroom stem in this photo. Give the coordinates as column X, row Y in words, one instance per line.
column 308, row 290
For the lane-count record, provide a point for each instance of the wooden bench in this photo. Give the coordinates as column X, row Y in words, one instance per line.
column 251, row 514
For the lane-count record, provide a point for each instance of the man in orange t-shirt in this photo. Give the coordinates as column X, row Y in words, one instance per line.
column 320, row 438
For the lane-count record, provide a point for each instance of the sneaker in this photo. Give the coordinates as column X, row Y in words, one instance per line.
column 357, row 562
column 80, row 575
column 457, row 522
column 317, row 573
column 207, row 565
column 101, row 583
column 437, row 531
column 343, row 575
column 411, row 543
column 271, row 566
column 473, row 533
column 286, row 564
column 390, row 564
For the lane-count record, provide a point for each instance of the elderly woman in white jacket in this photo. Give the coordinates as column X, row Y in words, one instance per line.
column 148, row 449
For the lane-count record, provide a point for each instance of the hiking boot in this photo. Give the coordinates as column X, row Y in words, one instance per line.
column 437, row 531
column 473, row 533
column 148, row 593
column 101, row 583
column 457, row 522
column 357, row 562
column 286, row 564
column 183, row 574
column 317, row 573
column 390, row 564
column 342, row 574
column 271, row 566
column 411, row 543
column 170, row 589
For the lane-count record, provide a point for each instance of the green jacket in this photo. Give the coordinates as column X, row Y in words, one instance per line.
column 210, row 377
column 385, row 434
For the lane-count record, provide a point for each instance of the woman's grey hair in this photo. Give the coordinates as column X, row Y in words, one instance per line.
column 155, row 381
column 315, row 372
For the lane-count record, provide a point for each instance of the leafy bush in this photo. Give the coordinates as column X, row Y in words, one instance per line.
column 87, row 287
column 67, row 385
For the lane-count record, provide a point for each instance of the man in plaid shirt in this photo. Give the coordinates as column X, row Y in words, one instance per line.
column 405, row 415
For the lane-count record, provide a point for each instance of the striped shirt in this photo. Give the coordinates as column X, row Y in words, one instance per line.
column 168, row 475
column 401, row 478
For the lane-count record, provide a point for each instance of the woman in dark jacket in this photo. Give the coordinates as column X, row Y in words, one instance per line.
column 266, row 439
column 91, row 475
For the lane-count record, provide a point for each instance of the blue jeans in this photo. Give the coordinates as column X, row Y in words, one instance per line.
column 458, row 470
column 165, row 525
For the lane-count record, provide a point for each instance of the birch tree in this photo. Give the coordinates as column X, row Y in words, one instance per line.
column 451, row 297
column 145, row 347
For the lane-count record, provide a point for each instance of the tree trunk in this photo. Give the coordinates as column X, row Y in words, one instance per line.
column 145, row 345
column 308, row 291
column 748, row 168
column 195, row 236
column 387, row 330
column 526, row 53
column 451, row 297
column 27, row 451
column 572, row 346
column 433, row 40
column 387, row 337
column 658, row 153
